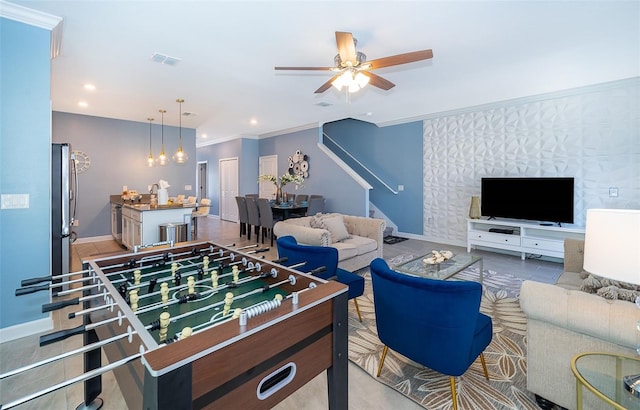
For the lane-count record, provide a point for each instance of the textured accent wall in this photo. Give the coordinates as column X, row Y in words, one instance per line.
column 591, row 133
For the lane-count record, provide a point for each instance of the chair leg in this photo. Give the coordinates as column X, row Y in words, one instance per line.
column 355, row 302
column 384, row 355
column 484, row 366
column 454, row 396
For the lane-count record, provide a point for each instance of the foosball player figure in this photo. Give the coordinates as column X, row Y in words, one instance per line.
column 236, row 313
column 186, row 332
column 174, row 268
column 164, row 291
column 228, row 300
column 136, row 276
column 214, row 279
column 235, row 273
column 164, row 325
column 133, row 299
column 205, row 264
column 191, row 284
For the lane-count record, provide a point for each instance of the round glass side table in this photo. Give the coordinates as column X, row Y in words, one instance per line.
column 602, row 374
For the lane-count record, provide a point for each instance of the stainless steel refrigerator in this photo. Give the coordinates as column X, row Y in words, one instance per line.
column 64, row 194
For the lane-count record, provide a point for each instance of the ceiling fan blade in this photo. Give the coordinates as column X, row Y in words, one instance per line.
column 304, row 68
column 346, row 47
column 324, row 87
column 377, row 81
column 399, row 59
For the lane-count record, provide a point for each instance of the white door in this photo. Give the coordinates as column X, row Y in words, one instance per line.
column 267, row 165
column 228, row 189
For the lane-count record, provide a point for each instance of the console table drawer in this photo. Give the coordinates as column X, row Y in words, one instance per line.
column 513, row 240
column 543, row 244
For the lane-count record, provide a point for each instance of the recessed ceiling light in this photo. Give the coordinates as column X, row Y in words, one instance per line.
column 83, row 104
column 253, row 121
column 89, row 87
column 203, row 136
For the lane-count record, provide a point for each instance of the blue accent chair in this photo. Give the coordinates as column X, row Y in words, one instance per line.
column 314, row 257
column 433, row 322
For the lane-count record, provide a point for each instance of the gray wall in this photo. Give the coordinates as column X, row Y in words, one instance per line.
column 118, row 151
column 25, row 167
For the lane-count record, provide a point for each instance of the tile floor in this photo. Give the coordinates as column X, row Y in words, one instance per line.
column 364, row 391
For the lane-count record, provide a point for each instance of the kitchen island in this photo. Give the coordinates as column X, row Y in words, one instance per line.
column 140, row 221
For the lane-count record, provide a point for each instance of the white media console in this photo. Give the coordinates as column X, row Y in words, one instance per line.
column 520, row 236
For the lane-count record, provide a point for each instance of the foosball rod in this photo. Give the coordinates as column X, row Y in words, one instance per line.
column 48, row 307
column 82, row 349
column 33, row 289
column 80, row 378
column 63, row 334
column 34, row 281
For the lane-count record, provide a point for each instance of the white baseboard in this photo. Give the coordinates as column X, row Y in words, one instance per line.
column 25, row 329
column 93, row 239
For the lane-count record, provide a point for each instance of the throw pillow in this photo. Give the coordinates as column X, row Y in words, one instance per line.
column 610, row 289
column 317, row 222
column 335, row 225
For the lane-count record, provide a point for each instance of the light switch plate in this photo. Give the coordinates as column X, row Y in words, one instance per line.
column 187, row 187
column 15, row 201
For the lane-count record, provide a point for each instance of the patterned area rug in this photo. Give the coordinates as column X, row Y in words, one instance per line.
column 505, row 356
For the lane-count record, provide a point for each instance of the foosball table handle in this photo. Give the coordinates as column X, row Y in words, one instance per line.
column 60, row 335
column 32, row 289
column 48, row 307
column 33, row 281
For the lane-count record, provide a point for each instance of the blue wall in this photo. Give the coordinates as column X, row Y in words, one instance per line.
column 342, row 193
column 246, row 150
column 118, row 152
column 25, row 166
column 394, row 154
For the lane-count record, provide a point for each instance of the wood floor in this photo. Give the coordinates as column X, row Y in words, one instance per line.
column 364, row 391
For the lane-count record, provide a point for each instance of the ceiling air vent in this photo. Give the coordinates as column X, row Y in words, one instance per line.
column 164, row 59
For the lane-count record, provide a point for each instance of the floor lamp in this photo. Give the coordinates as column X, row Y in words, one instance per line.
column 612, row 250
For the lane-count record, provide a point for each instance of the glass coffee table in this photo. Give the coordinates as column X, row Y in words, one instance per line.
column 602, row 374
column 444, row 270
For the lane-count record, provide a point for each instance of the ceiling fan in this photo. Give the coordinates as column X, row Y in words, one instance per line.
column 354, row 71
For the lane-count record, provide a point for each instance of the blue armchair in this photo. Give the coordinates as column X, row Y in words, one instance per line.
column 318, row 256
column 433, row 322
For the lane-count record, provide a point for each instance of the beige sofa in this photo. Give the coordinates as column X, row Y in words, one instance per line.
column 563, row 321
column 362, row 242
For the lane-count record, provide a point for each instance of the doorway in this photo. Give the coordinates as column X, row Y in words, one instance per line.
column 228, row 189
column 201, row 181
column 267, row 165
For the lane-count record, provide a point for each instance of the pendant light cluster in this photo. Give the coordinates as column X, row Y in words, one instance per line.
column 180, row 157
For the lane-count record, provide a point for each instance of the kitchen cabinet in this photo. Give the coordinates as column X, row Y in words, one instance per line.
column 140, row 224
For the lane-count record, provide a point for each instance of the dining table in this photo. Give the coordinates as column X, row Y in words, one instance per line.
column 289, row 209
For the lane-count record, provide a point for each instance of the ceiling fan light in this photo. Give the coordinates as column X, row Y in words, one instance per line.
column 361, row 79
column 341, row 81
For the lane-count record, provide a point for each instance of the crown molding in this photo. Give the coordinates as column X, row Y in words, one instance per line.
column 35, row 18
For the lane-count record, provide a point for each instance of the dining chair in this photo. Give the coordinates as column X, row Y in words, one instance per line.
column 315, row 205
column 253, row 217
column 242, row 214
column 191, row 199
column 201, row 211
column 435, row 323
column 267, row 219
column 301, row 198
column 252, row 196
column 318, row 256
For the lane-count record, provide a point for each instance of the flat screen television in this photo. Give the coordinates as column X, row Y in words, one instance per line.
column 544, row 199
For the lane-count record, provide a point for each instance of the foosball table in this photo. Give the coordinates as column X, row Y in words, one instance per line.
column 202, row 326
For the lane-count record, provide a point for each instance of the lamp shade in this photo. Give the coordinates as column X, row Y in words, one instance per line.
column 612, row 244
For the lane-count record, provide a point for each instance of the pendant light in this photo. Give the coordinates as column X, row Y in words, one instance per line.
column 162, row 158
column 150, row 160
column 180, row 157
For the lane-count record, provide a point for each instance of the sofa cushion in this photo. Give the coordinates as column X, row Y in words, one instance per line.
column 335, row 225
column 345, row 250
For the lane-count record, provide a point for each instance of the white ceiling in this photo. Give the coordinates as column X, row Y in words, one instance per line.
column 484, row 51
